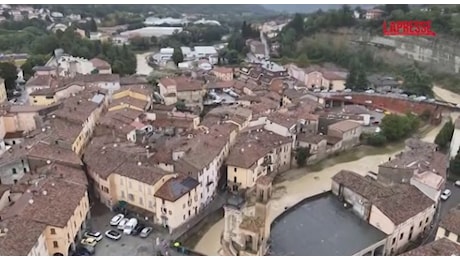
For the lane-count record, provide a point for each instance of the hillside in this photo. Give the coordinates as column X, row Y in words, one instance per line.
column 307, row 8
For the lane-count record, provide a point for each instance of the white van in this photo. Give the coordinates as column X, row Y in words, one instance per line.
column 130, row 226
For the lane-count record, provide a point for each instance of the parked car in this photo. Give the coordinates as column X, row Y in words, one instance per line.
column 347, row 90
column 122, row 224
column 96, row 235
column 116, row 219
column 84, row 250
column 446, row 194
column 129, row 227
column 457, row 183
column 137, row 230
column 90, row 241
column 146, row 232
column 113, row 234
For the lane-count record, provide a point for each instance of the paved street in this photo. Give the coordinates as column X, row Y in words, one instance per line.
column 453, row 201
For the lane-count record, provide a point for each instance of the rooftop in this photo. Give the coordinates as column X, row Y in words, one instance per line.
column 321, row 226
column 183, row 83
column 441, row 247
column 176, row 187
column 250, row 146
column 451, row 221
column 77, row 108
column 398, row 202
column 344, row 126
column 100, row 63
column 20, row 240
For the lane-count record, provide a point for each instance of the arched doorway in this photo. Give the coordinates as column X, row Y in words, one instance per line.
column 58, row 254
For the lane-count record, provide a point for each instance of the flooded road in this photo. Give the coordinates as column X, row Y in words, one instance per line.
column 298, row 184
column 142, row 67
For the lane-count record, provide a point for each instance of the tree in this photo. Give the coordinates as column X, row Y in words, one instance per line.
column 377, row 139
column 177, row 56
column 302, row 154
column 454, row 165
column 236, row 42
column 9, row 73
column 416, row 82
column 180, row 106
column 31, row 62
column 350, row 82
column 361, row 81
column 92, row 26
column 303, row 61
column 395, row 127
column 445, row 135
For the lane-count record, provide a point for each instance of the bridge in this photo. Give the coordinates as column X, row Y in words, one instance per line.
column 390, row 102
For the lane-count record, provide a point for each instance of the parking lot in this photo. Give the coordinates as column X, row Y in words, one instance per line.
column 127, row 245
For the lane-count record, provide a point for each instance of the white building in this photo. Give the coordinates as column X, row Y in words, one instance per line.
column 455, row 142
column 207, row 22
column 151, row 31
column 168, row 20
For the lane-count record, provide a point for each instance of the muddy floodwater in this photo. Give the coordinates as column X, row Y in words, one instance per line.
column 293, row 186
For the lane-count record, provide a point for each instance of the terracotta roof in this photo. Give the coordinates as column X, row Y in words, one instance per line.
column 222, row 70
column 143, row 89
column 77, row 109
column 441, row 247
column 127, row 100
column 451, row 221
column 12, row 135
column 65, row 130
column 330, row 75
column 310, row 138
column 333, row 140
column 100, row 64
column 183, row 83
column 253, row 145
column 93, row 78
column 344, row 126
column 42, row 80
column 21, row 237
column 399, row 202
column 176, row 187
column 141, row 173
column 133, row 80
column 283, row 119
column 53, row 152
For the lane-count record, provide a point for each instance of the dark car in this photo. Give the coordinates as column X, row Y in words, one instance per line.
column 83, row 250
column 138, row 229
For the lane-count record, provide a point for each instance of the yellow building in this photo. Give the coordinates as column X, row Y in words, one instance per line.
column 47, row 96
column 177, row 201
column 3, row 96
column 48, row 220
column 134, row 97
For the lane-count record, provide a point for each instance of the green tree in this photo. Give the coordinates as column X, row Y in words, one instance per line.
column 9, row 73
column 31, row 62
column 303, row 61
column 396, row 127
column 352, row 77
column 177, row 56
column 361, row 81
column 376, row 139
column 302, row 154
column 417, row 82
column 445, row 135
column 454, row 165
column 92, row 26
column 236, row 42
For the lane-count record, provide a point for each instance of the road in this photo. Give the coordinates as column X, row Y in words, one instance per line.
column 142, row 67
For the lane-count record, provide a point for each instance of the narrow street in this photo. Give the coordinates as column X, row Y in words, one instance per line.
column 303, row 185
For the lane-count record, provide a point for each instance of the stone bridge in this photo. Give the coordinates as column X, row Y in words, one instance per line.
column 391, row 103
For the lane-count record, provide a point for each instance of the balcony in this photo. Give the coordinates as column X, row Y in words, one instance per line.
column 267, row 161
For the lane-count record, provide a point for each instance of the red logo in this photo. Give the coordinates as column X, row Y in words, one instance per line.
column 408, row 28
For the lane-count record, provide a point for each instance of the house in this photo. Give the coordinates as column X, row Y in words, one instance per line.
column 449, row 227
column 39, row 82
column 373, row 14
column 102, row 66
column 455, row 142
column 316, row 145
column 400, row 210
column 327, row 77
column 257, row 153
column 440, row 247
column 3, row 96
column 421, row 165
column 177, row 201
column 188, row 90
column 223, row 73
column 348, row 131
column 48, row 220
column 257, row 48
column 48, row 96
column 132, row 96
column 124, row 123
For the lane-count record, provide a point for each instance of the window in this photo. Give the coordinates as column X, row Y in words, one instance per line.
column 53, row 231
column 150, row 204
column 55, row 244
column 411, row 229
column 401, row 236
column 410, row 235
column 234, row 170
column 426, row 221
column 394, row 241
column 130, row 197
column 421, row 222
column 14, row 170
column 234, row 179
column 446, row 233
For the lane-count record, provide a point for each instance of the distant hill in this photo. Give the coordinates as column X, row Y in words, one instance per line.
column 306, row 8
